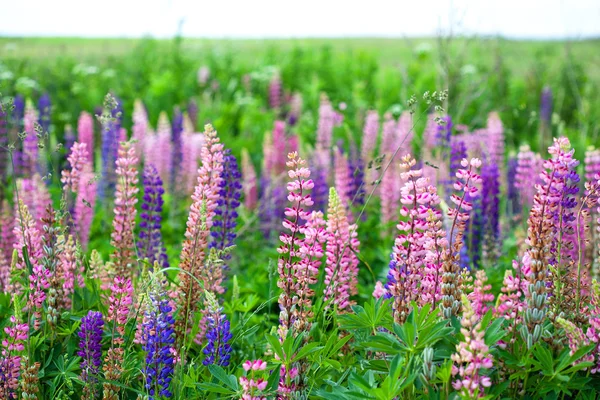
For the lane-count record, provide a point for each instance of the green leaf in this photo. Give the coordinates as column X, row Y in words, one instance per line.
column 276, row 346
column 222, row 376
column 306, row 350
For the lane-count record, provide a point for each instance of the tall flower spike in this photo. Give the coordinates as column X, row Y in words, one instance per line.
column 495, row 136
column 109, row 152
column 529, row 166
column 124, row 220
column 390, row 182
column 466, row 184
column 343, row 182
column 199, row 224
column 176, row 138
column 30, row 144
column 3, row 142
column 249, row 181
column 223, row 232
column 342, row 263
column 85, row 133
column 218, row 348
column 472, row 357
column 69, row 271
column 158, row 343
column 370, row 135
column 275, row 92
column 490, row 204
column 90, row 350
column 295, row 223
column 150, row 245
column 78, row 159
column 10, row 363
column 85, row 204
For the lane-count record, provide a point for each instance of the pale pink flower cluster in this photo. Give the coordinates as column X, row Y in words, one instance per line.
column 70, row 270
column 34, row 194
column 191, row 149
column 140, row 127
column 84, row 206
column 341, row 271
column 78, row 159
column 529, row 166
column 158, row 148
column 467, row 182
column 249, row 182
column 379, row 290
column 343, row 179
column 254, row 383
column 472, row 357
column 495, row 139
column 389, row 192
column 120, row 301
column 370, row 135
column 481, row 295
column 85, row 132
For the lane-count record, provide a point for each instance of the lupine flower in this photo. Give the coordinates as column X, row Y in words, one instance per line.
column 370, row 135
column 444, row 132
column 78, row 159
column 495, row 139
column 341, row 271
column 343, row 182
column 120, row 300
column 85, row 133
column 35, row 195
column 490, row 207
column 356, row 172
column 293, row 263
column 218, row 335
column 472, row 356
column 279, row 149
column 30, row 143
column 543, row 235
column 249, row 181
column 10, row 362
column 192, row 111
column 390, row 182
column 458, row 152
column 150, row 245
column 225, row 221
column 592, row 172
column 28, row 236
column 125, row 212
column 158, row 343
column 44, row 109
column 480, row 297
column 512, row 193
column 3, row 142
column 85, row 204
column 275, row 92
column 529, row 166
column 379, row 290
column 109, row 153
column 176, row 139
column 69, row 270
column 325, row 129
column 200, row 222
column 90, row 350
column 546, row 107
column 140, row 127
column 191, row 148
column 253, row 387
column 467, row 183
column 295, row 109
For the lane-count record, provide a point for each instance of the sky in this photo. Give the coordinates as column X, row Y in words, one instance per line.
column 534, row 19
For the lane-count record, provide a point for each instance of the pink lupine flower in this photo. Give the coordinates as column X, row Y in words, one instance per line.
column 10, row 362
column 140, row 127
column 30, row 144
column 78, row 159
column 481, row 296
column 379, row 290
column 342, row 264
column 275, row 92
column 34, row 194
column 191, row 148
column 85, row 133
column 7, row 240
column 369, row 143
column 495, row 139
column 529, row 166
column 472, row 357
column 69, row 270
column 326, row 124
column 120, row 301
column 249, row 181
column 200, row 221
column 429, row 143
column 343, row 180
column 390, row 189
column 158, row 148
column 292, row 261
column 254, row 383
column 84, row 207
column 125, row 211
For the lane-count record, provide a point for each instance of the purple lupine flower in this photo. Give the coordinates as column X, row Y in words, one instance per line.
column 273, row 200
column 473, row 237
column 225, row 220
column 18, row 112
column 109, row 149
column 320, row 192
column 150, row 245
column 444, row 132
column 512, row 192
column 458, row 151
column 192, row 110
column 356, row 170
column 176, row 132
column 90, row 349
column 490, row 206
column 69, row 138
column 219, row 335
column 44, row 108
column 158, row 340
column 546, row 106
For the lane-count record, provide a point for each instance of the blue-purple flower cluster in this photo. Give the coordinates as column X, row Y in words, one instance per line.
column 44, row 108
column 90, row 346
column 490, row 204
column 176, row 132
column 356, row 170
column 225, row 220
column 218, row 335
column 150, row 245
column 158, row 341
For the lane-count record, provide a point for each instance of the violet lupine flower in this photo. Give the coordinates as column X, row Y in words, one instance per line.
column 529, row 165
column 122, row 238
column 543, row 234
column 192, row 110
column 341, row 271
column 473, row 236
column 10, row 362
column 109, row 157
column 158, row 343
column 44, row 109
column 272, row 205
column 512, row 193
column 320, row 188
column 356, row 171
column 150, row 245
column 472, row 356
column 275, row 92
column 225, row 221
column 218, row 334
column 90, row 350
column 18, row 112
column 249, row 181
column 444, row 132
column 490, row 205
column 176, row 158
column 546, row 107
column 85, row 132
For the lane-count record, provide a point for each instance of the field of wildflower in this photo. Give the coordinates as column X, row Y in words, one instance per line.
column 299, row 220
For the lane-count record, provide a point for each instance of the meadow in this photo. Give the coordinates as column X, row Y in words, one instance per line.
column 299, row 219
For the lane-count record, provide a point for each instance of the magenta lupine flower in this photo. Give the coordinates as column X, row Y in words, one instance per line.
column 341, row 271
column 140, row 127
column 343, row 181
column 529, row 166
column 481, row 295
column 68, row 270
column 30, row 144
column 370, row 136
column 510, row 305
column 275, row 92
column 592, row 164
column 256, row 384
column 249, row 182
column 290, row 260
column 85, row 204
column 78, row 159
column 389, row 191
column 28, row 236
column 120, row 301
column 124, row 221
column 85, row 133
column 472, row 357
column 10, row 362
column 3, row 142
